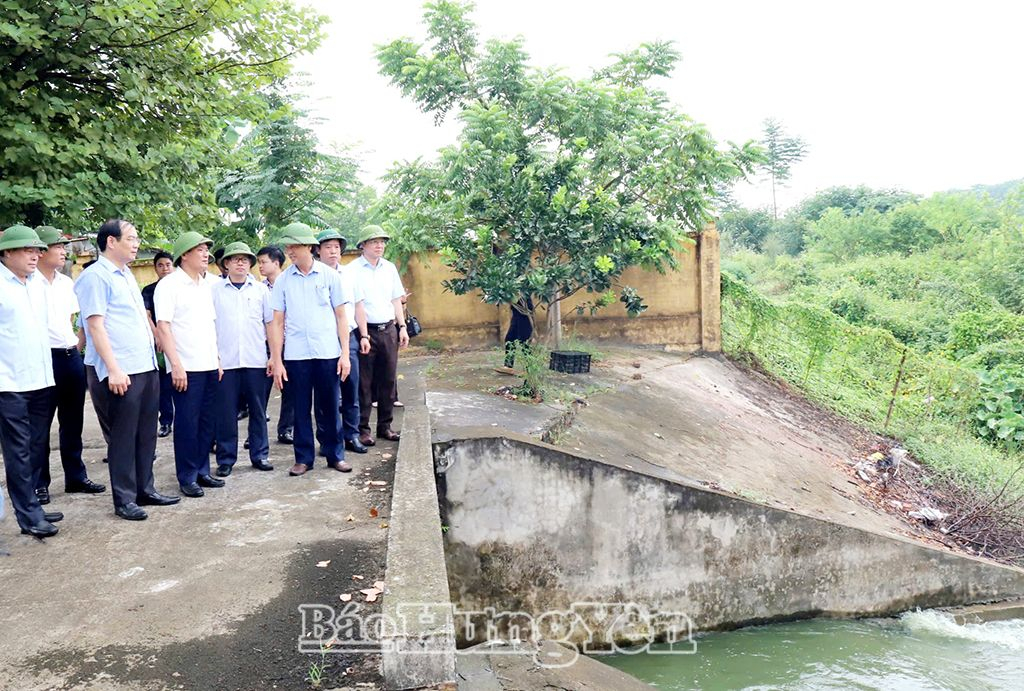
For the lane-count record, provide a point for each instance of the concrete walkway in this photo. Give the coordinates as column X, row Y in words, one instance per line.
column 203, row 594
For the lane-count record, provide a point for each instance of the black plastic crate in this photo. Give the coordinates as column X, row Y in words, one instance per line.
column 569, row 361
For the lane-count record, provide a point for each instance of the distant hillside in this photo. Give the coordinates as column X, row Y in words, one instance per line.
column 997, row 191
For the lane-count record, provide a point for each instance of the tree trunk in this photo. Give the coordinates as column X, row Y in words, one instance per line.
column 555, row 323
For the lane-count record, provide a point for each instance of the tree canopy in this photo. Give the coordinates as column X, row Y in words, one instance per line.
column 121, row 106
column 555, row 184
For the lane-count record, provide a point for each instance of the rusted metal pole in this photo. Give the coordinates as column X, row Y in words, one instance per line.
column 895, row 390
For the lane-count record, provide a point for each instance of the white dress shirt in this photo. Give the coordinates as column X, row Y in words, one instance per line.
column 379, row 285
column 25, row 360
column 188, row 306
column 242, row 315
column 61, row 306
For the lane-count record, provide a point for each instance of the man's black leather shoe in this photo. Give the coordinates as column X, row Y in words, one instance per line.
column 286, row 437
column 355, row 445
column 223, row 470
column 245, row 445
column 156, row 499
column 53, row 516
column 164, row 431
column 40, row 529
column 192, row 490
column 130, row 512
column 262, row 465
column 86, row 486
column 43, row 495
column 209, row 481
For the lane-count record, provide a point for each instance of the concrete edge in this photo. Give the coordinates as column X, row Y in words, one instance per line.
column 980, row 614
column 419, row 649
column 469, row 434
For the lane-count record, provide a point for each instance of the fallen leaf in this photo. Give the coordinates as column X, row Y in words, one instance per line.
column 350, row 518
column 345, row 597
column 383, row 525
column 400, row 376
column 356, row 577
column 386, row 456
column 370, row 591
column 323, row 564
column 379, row 585
column 373, row 512
column 372, row 598
column 658, row 435
column 378, row 483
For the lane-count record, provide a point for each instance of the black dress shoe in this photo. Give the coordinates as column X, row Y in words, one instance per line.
column 130, row 512
column 156, row 499
column 164, row 431
column 223, row 470
column 53, row 516
column 40, row 529
column 259, row 464
column 209, row 481
column 43, row 495
column 192, row 490
column 286, row 437
column 388, row 434
column 86, row 486
column 355, row 445
column 246, row 444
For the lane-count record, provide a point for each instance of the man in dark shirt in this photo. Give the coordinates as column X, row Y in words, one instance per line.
column 164, row 264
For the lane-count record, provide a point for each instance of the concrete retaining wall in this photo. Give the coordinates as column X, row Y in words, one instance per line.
column 534, row 529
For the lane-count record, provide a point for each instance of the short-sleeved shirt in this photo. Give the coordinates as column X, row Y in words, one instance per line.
column 112, row 293
column 242, row 314
column 379, row 285
column 353, row 292
column 25, row 360
column 187, row 306
column 62, row 305
column 308, row 302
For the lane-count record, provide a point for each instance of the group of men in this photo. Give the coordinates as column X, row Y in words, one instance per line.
column 185, row 355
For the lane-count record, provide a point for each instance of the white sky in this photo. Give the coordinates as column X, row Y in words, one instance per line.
column 920, row 95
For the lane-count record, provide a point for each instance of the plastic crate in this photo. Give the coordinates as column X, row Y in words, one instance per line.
column 569, row 361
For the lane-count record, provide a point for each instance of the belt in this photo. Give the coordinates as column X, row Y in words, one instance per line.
column 66, row 352
column 380, row 327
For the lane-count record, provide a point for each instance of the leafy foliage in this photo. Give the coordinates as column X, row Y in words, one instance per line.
column 555, row 185
column 121, row 107
column 781, row 153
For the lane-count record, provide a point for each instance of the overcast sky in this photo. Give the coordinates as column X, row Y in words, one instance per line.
column 924, row 96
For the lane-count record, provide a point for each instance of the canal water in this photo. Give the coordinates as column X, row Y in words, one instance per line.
column 918, row 650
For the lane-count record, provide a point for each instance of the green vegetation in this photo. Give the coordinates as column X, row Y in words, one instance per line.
column 555, row 185
column 903, row 313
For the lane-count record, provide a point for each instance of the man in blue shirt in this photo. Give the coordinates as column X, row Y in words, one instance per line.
column 243, row 311
column 309, row 346
column 119, row 344
column 26, row 378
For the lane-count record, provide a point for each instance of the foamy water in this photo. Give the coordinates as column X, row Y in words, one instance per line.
column 924, row 650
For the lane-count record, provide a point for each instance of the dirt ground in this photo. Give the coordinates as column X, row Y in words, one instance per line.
column 202, row 595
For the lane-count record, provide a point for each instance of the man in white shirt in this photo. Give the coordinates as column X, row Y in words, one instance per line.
column 26, row 377
column 243, row 311
column 332, row 244
column 68, row 404
column 382, row 292
column 186, row 319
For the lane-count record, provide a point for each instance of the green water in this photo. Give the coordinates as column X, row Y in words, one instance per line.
column 919, row 650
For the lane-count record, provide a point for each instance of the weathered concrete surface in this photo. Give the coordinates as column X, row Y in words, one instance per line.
column 712, row 422
column 483, row 668
column 207, row 589
column 535, row 529
column 453, row 412
column 421, row 651
column 979, row 614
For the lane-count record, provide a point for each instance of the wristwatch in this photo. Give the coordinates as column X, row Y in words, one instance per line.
column 401, row 326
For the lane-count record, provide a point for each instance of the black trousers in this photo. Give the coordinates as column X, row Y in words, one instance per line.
column 132, row 443
column 195, row 425
column 286, row 418
column 68, row 404
column 24, row 429
column 249, row 385
column 99, row 400
column 378, row 371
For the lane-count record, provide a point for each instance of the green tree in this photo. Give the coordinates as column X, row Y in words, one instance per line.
column 280, row 176
column 781, row 152
column 119, row 107
column 555, row 185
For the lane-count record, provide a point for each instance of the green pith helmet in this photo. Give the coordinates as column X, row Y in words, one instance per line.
column 51, row 236
column 235, row 249
column 297, row 234
column 18, row 237
column 369, row 233
column 188, row 241
column 332, row 234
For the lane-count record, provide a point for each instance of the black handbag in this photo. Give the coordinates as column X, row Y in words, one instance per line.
column 412, row 326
